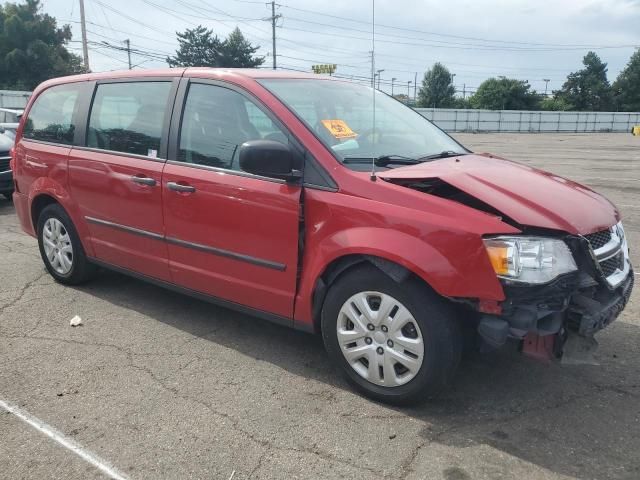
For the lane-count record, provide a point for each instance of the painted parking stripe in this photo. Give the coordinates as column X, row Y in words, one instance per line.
column 65, row 441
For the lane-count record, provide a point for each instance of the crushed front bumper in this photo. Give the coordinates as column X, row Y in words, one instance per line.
column 579, row 303
column 589, row 314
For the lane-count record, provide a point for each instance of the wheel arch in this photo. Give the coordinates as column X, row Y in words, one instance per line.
column 38, row 204
column 47, row 191
column 342, row 264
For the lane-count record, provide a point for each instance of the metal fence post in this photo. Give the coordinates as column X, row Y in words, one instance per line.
column 539, row 122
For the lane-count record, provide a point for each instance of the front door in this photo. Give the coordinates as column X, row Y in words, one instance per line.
column 116, row 178
column 229, row 234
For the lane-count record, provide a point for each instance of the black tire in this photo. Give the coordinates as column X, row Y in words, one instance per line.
column 81, row 269
column 8, row 196
column 435, row 317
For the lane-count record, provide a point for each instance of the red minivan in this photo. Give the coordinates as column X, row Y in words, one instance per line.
column 310, row 202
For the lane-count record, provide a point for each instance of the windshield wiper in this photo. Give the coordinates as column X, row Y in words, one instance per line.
column 383, row 160
column 444, row 154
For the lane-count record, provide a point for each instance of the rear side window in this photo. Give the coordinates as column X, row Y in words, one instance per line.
column 51, row 116
column 128, row 117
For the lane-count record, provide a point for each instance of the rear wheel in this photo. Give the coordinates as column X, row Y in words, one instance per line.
column 397, row 343
column 60, row 247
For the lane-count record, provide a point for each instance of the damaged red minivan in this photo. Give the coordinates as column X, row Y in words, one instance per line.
column 303, row 200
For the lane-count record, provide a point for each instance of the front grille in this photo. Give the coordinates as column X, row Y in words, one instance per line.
column 4, row 162
column 612, row 264
column 599, row 239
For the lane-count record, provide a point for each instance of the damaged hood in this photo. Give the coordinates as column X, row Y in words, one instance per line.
column 525, row 195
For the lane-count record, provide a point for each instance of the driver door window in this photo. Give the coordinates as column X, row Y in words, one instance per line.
column 216, row 121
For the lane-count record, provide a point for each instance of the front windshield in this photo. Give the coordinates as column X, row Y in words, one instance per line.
column 341, row 114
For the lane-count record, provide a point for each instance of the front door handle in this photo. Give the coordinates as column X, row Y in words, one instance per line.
column 144, row 181
column 178, row 187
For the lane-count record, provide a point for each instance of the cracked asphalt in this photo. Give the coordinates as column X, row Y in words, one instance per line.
column 164, row 386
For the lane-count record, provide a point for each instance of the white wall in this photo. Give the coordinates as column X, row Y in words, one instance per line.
column 460, row 120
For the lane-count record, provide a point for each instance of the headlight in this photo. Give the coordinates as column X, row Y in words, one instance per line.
column 529, row 259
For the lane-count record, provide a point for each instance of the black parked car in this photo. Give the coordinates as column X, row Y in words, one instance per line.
column 6, row 176
column 7, row 137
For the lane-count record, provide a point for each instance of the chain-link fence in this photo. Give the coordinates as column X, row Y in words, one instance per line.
column 463, row 120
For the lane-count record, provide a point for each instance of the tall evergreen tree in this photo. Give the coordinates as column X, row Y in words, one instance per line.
column 588, row 89
column 32, row 47
column 626, row 88
column 200, row 47
column 237, row 51
column 197, row 47
column 437, row 88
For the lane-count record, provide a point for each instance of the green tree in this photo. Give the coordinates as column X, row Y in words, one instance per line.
column 588, row 89
column 505, row 94
column 237, row 51
column 200, row 47
column 197, row 47
column 437, row 88
column 32, row 47
column 554, row 104
column 626, row 88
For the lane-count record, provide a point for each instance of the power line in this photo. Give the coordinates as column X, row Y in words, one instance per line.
column 439, row 34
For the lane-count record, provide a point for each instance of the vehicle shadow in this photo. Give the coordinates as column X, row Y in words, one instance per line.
column 581, row 421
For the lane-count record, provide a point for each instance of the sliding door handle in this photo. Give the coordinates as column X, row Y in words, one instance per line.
column 179, row 187
column 144, row 181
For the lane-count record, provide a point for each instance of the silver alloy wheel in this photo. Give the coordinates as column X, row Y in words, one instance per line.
column 57, row 246
column 380, row 339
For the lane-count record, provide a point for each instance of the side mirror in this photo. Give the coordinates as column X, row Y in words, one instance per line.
column 269, row 158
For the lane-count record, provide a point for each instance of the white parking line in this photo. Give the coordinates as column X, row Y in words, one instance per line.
column 65, row 441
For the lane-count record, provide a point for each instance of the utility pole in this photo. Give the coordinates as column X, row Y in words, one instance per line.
column 408, row 91
column 392, row 80
column 415, row 87
column 373, row 70
column 273, row 19
column 464, row 91
column 128, row 44
column 379, row 76
column 546, row 84
column 83, row 27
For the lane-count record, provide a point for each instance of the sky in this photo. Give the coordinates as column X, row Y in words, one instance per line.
column 527, row 40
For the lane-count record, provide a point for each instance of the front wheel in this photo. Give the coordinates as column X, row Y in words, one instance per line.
column 395, row 342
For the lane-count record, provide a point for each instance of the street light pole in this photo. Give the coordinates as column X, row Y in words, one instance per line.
column 546, row 84
column 392, row 80
column 408, row 90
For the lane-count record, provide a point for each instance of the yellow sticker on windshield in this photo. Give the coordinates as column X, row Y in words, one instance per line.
column 339, row 129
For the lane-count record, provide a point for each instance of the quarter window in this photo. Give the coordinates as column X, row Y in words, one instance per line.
column 216, row 121
column 128, row 117
column 51, row 117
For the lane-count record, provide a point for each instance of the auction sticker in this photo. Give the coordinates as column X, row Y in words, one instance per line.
column 339, row 129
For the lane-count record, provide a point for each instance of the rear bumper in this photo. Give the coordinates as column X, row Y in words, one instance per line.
column 6, row 182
